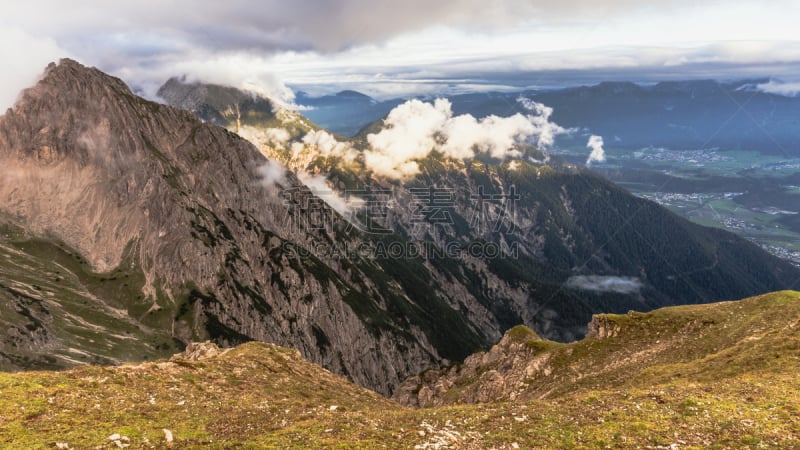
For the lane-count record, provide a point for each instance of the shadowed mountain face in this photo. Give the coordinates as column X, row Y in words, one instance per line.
column 131, row 228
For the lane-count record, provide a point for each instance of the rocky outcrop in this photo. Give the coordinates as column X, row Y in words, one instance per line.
column 501, row 373
column 197, row 351
column 602, row 327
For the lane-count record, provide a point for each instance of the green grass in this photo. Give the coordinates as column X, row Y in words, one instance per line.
column 698, row 343
column 720, row 385
column 69, row 313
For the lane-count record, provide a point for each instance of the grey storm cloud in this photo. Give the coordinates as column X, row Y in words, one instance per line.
column 147, row 41
column 246, row 42
column 325, row 25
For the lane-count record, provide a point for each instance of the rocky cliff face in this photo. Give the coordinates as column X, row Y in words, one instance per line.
column 183, row 207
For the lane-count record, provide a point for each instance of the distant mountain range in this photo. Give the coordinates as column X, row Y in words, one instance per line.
column 675, row 115
column 131, row 228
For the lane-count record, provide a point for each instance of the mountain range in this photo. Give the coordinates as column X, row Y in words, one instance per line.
column 132, row 228
column 678, row 115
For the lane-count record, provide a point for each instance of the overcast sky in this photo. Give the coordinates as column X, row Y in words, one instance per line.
column 390, row 48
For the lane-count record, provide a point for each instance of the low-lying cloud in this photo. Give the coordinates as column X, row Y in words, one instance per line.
column 546, row 130
column 314, row 144
column 325, row 144
column 414, row 129
column 273, row 137
column 780, row 88
column 598, row 153
column 600, row 283
column 271, row 173
column 319, row 186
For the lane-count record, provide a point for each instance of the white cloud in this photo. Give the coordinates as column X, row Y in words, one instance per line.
column 600, row 283
column 547, row 130
column 271, row 173
column 24, row 58
column 239, row 69
column 414, row 129
column 326, row 145
column 313, row 144
column 272, row 137
column 318, row 143
column 410, row 131
column 598, row 154
column 319, row 186
column 277, row 136
column 775, row 87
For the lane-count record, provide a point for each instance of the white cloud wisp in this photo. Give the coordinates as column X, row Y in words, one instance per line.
column 598, row 153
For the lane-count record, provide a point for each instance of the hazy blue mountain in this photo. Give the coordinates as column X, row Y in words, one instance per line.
column 676, row 114
column 682, row 115
column 346, row 112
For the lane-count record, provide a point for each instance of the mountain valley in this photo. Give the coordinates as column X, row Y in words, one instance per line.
column 126, row 215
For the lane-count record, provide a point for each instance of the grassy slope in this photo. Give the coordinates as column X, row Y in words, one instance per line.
column 693, row 344
column 85, row 315
column 736, row 387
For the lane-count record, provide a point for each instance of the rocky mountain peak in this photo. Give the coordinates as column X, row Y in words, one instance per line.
column 192, row 95
column 69, row 83
column 68, row 73
column 70, row 114
column 221, row 105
